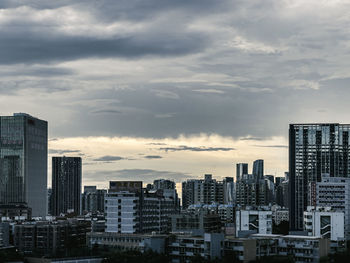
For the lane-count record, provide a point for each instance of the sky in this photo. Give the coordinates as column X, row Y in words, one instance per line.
column 174, row 89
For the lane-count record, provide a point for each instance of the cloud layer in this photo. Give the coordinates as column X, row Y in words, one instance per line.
column 163, row 69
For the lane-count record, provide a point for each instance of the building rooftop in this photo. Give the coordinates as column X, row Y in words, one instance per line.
column 302, row 237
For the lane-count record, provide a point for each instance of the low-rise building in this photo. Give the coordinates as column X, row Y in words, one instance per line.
column 65, row 260
column 182, row 248
column 140, row 242
column 197, row 223
column 239, row 249
column 304, row 249
column 4, row 234
column 50, row 238
column 297, row 248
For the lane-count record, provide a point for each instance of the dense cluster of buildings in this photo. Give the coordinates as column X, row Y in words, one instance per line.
column 240, row 218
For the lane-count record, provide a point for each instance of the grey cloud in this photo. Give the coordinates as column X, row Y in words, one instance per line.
column 107, row 111
column 109, row 158
column 153, row 157
column 251, row 139
column 272, row 146
column 61, row 152
column 196, row 149
column 36, row 71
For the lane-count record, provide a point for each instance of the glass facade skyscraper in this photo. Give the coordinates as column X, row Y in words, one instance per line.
column 66, row 185
column 23, row 162
column 314, row 150
column 258, row 169
column 241, row 169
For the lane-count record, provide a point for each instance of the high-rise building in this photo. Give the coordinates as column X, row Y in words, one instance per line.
column 241, row 169
column 247, row 191
column 202, row 191
column 66, row 184
column 314, row 150
column 229, row 190
column 93, row 200
column 258, row 169
column 23, row 163
column 131, row 209
column 190, row 192
column 168, row 189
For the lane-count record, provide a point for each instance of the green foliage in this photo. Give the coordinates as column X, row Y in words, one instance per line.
column 7, row 255
column 282, row 228
column 275, row 259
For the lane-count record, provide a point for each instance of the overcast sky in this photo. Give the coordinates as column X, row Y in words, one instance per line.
column 175, row 89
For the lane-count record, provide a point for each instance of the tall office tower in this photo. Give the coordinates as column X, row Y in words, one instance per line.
column 23, row 163
column 66, row 185
column 229, row 190
column 241, row 169
column 314, row 150
column 258, row 169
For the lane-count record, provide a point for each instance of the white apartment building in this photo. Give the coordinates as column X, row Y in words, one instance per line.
column 122, row 212
column 253, row 220
column 322, row 221
column 130, row 209
column 334, row 192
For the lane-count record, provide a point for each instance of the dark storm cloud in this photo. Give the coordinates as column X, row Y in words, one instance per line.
column 153, row 157
column 196, row 149
column 25, row 40
column 125, row 9
column 45, row 48
column 147, row 175
column 243, row 69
